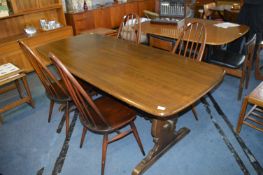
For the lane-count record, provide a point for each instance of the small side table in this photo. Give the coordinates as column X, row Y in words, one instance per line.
column 10, row 81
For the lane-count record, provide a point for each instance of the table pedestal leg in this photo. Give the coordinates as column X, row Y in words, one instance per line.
column 164, row 137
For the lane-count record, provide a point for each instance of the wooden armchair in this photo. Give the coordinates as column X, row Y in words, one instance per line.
column 130, row 28
column 102, row 116
column 191, row 44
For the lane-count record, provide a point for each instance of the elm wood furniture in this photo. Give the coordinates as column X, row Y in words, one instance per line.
column 55, row 89
column 102, row 116
column 214, row 34
column 25, row 13
column 108, row 16
column 236, row 64
column 130, row 28
column 11, row 81
column 191, row 49
column 158, row 83
column 254, row 117
column 258, row 67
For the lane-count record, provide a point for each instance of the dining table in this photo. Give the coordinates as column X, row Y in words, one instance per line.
column 215, row 35
column 155, row 83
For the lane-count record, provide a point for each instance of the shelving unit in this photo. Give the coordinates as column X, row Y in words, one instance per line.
column 25, row 13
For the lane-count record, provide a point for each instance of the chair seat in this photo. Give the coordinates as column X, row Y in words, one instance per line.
column 116, row 114
column 227, row 59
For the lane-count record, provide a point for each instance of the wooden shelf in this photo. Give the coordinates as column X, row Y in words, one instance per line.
column 51, row 7
column 25, row 36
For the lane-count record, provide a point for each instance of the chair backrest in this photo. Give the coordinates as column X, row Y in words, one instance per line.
column 49, row 81
column 207, row 11
column 191, row 42
column 249, row 48
column 90, row 115
column 130, row 28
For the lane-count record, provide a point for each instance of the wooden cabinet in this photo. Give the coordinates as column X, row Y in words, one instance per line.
column 131, row 8
column 107, row 17
column 83, row 21
column 101, row 17
column 116, row 13
column 25, row 13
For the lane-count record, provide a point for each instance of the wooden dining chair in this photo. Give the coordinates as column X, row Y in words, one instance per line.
column 191, row 41
column 55, row 89
column 236, row 64
column 130, row 28
column 102, row 116
column 191, row 45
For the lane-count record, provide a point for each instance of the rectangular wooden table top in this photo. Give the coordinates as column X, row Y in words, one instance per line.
column 215, row 35
column 151, row 80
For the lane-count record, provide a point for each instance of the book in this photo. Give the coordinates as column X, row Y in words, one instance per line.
column 7, row 70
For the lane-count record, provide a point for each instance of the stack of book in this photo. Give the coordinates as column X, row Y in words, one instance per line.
column 7, row 71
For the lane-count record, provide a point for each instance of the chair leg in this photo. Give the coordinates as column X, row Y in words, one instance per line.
column 67, row 119
column 50, row 110
column 248, row 73
column 104, row 152
column 84, row 131
column 18, row 87
column 136, row 135
column 241, row 84
column 28, row 91
column 242, row 115
column 1, row 120
column 194, row 112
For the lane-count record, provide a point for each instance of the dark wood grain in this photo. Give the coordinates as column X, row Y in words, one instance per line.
column 151, row 80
